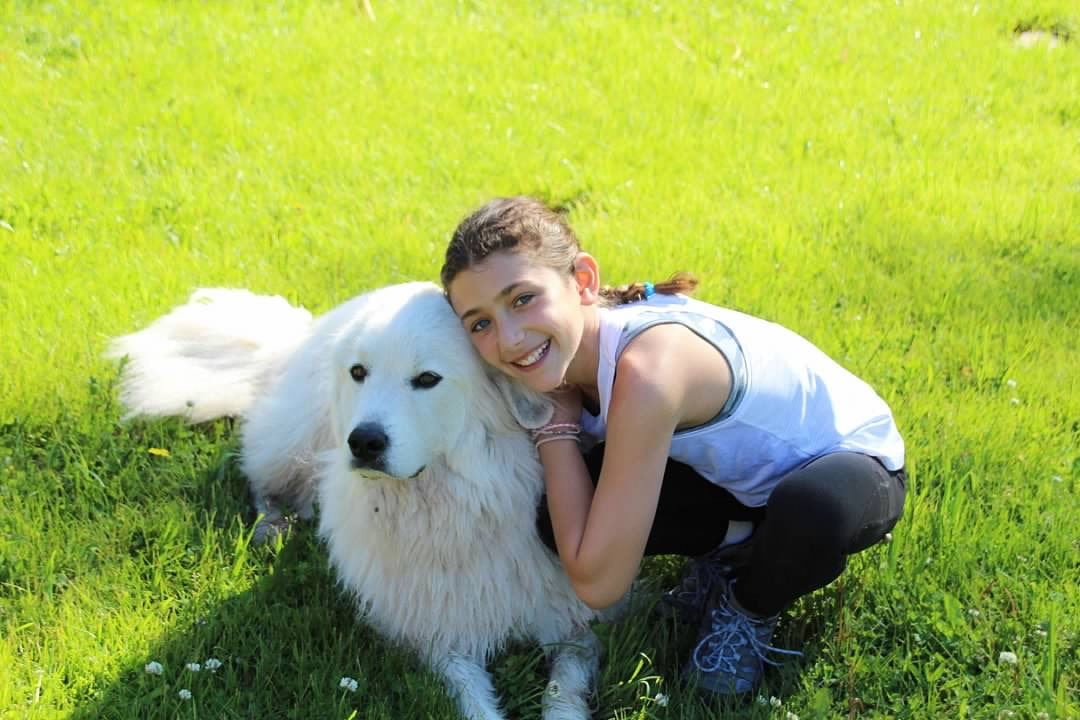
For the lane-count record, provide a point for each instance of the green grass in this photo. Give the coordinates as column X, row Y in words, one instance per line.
column 898, row 181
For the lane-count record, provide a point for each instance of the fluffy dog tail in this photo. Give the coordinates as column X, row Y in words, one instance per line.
column 208, row 358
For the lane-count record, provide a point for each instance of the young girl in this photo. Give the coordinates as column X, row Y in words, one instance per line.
column 724, row 436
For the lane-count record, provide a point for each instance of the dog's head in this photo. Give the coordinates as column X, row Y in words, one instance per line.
column 409, row 388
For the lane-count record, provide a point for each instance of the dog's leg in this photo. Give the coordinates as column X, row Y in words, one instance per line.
column 283, row 433
column 470, row 684
column 574, row 664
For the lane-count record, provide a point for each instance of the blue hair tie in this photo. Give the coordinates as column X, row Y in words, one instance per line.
column 650, row 290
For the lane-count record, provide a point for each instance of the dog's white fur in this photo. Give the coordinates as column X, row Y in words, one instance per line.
column 435, row 538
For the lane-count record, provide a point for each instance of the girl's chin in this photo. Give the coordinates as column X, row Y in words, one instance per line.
column 542, row 382
column 538, row 384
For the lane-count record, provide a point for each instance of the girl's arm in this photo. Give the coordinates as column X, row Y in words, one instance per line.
column 665, row 378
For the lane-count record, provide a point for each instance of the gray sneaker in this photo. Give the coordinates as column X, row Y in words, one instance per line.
column 730, row 655
column 686, row 601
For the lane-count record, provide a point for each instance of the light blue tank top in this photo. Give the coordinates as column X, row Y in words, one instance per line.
column 789, row 404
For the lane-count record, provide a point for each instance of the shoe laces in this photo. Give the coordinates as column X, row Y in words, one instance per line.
column 733, row 636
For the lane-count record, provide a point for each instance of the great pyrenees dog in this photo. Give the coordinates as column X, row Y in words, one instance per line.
column 415, row 452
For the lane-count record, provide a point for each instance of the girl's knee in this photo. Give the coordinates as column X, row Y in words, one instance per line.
column 805, row 504
column 805, row 519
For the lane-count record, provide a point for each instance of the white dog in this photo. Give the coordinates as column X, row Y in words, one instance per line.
column 427, row 484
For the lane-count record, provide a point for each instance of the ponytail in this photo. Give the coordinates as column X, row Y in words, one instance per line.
column 682, row 283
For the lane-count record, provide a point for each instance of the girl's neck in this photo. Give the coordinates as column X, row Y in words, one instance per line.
column 585, row 365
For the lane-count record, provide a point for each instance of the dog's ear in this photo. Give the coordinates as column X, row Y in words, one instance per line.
column 530, row 408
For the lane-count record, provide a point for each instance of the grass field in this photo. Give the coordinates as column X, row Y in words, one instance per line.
column 898, row 181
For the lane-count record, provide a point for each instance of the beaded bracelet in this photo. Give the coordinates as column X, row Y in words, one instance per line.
column 555, row 431
column 558, row 428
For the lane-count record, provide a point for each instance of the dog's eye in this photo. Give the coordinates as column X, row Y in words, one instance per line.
column 426, row 380
column 358, row 373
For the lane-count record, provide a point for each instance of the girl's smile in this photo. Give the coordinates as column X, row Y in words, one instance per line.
column 533, row 359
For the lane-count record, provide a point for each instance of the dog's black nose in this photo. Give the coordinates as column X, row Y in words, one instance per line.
column 368, row 442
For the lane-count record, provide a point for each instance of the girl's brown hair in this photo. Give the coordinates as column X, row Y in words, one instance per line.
column 524, row 224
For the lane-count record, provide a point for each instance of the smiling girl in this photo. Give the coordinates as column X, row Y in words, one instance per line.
column 722, row 436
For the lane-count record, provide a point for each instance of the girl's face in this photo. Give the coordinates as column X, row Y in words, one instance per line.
column 526, row 319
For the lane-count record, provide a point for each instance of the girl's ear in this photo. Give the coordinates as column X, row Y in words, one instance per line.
column 587, row 278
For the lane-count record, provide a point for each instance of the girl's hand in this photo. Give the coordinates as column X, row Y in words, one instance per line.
column 567, row 399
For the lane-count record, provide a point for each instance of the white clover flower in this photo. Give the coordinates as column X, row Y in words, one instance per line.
column 1041, row 632
column 1010, row 382
column 762, row 700
column 791, row 716
column 184, row 694
column 1015, row 401
column 153, row 668
column 1008, row 658
column 193, row 667
column 661, row 699
column 212, row 664
column 974, row 613
column 1057, row 478
column 775, row 701
column 1043, row 716
column 888, row 537
column 347, row 683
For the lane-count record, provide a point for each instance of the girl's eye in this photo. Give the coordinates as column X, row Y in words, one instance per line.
column 523, row 299
column 358, row 373
column 479, row 325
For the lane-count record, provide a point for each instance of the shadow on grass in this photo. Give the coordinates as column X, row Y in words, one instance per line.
column 284, row 646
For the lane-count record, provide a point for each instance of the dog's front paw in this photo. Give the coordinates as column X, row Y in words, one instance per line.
column 560, row 705
column 269, row 528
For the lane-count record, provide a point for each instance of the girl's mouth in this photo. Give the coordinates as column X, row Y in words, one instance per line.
column 533, row 359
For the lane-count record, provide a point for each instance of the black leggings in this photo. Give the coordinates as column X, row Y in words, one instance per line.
column 816, row 516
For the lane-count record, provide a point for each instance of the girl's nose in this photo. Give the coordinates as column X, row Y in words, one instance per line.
column 510, row 335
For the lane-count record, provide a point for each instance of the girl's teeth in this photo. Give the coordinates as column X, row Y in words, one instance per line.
column 533, row 356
